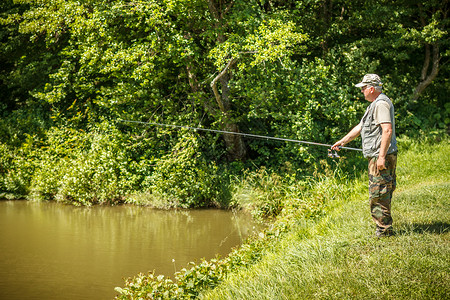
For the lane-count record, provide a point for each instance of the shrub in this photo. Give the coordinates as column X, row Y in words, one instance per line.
column 260, row 192
column 16, row 170
column 184, row 178
column 82, row 168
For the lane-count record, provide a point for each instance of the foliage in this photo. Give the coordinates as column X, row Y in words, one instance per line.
column 183, row 178
column 308, row 103
column 15, row 172
column 83, row 168
column 273, row 40
column 260, row 193
column 73, row 65
column 100, row 166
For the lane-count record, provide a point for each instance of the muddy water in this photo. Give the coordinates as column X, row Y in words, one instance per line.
column 54, row 251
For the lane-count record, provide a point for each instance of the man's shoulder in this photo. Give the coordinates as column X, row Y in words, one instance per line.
column 383, row 104
column 382, row 99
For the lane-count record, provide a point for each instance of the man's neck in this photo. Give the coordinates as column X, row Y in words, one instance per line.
column 373, row 96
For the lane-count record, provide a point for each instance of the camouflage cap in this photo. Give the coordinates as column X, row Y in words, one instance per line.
column 370, row 79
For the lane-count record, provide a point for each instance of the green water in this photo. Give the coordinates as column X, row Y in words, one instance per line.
column 55, row 251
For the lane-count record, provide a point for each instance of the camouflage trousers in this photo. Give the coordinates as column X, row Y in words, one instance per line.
column 381, row 186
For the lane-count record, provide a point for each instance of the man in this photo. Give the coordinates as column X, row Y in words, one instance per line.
column 377, row 129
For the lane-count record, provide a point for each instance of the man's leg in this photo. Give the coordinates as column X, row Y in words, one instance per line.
column 381, row 186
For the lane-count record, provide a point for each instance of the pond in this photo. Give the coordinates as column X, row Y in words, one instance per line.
column 55, row 251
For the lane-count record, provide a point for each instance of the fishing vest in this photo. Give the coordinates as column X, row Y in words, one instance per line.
column 371, row 132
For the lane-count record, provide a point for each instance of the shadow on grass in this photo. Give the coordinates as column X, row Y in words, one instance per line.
column 435, row 228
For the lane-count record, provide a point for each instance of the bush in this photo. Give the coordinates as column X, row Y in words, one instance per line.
column 82, row 168
column 101, row 165
column 183, row 178
column 16, row 171
column 260, row 192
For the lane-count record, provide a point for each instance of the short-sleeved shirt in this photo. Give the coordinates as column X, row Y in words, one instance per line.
column 382, row 113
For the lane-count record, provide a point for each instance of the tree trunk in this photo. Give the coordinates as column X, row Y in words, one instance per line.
column 235, row 145
column 426, row 78
column 327, row 9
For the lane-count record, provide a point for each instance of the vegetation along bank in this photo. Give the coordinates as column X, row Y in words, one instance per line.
column 322, row 244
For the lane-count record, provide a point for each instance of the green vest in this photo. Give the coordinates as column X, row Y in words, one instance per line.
column 371, row 133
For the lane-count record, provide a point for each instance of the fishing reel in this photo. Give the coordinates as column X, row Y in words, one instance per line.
column 333, row 154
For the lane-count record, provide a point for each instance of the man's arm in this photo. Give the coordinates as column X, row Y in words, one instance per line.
column 348, row 138
column 386, row 135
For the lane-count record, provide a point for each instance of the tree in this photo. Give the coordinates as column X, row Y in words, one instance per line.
column 273, row 66
column 431, row 35
column 235, row 145
column 268, row 39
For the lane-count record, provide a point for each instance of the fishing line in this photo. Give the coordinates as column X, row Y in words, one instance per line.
column 238, row 133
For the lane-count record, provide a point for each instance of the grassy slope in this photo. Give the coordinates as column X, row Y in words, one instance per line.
column 338, row 257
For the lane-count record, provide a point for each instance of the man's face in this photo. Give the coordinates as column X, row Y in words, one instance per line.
column 367, row 91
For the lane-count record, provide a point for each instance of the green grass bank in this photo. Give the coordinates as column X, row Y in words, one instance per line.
column 337, row 256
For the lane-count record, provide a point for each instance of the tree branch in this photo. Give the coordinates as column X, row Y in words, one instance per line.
column 427, row 79
column 214, row 84
column 229, row 65
column 426, row 63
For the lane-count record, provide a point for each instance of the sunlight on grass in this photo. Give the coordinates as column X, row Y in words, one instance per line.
column 338, row 257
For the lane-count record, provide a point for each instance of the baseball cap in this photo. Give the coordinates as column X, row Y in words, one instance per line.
column 370, row 79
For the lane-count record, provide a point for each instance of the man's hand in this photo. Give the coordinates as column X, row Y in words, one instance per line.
column 381, row 161
column 348, row 138
column 337, row 146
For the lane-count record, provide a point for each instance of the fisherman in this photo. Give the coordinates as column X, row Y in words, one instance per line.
column 377, row 129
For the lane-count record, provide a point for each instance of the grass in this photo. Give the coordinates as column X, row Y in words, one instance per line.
column 338, row 257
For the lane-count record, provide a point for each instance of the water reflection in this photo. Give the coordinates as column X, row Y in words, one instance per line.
column 48, row 250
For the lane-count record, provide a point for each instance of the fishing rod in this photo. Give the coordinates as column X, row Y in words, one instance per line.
column 330, row 153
